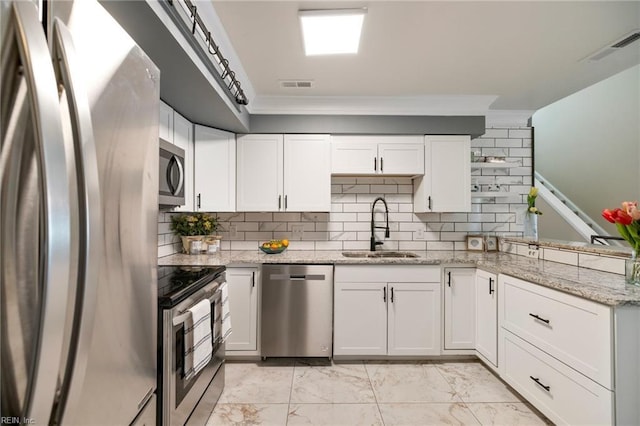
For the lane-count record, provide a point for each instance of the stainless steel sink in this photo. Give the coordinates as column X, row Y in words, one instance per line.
column 379, row 254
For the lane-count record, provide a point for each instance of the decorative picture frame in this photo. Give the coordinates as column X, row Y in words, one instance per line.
column 475, row 242
column 491, row 243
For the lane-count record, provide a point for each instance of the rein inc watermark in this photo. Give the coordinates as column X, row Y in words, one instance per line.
column 16, row 420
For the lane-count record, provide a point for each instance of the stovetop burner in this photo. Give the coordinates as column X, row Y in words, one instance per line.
column 175, row 283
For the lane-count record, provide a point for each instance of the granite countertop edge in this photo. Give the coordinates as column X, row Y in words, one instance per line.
column 602, row 287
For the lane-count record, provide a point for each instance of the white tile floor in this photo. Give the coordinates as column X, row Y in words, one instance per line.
column 303, row 392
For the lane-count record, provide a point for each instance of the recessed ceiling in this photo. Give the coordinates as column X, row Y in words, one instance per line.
column 428, row 56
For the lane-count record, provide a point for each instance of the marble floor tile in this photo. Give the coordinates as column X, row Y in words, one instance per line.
column 427, row 414
column 257, row 383
column 249, row 414
column 334, row 414
column 506, row 413
column 343, row 383
column 409, row 382
column 473, row 382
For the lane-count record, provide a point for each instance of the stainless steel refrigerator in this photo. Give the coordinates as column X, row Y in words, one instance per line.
column 78, row 218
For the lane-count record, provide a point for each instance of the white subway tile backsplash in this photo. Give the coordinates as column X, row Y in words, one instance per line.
column 560, row 256
column 520, row 133
column 496, row 133
column 258, row 217
column 602, row 263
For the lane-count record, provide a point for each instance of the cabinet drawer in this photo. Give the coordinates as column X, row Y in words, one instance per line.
column 571, row 329
column 570, row 397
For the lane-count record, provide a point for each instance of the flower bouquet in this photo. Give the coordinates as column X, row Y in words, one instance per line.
column 627, row 220
column 193, row 227
column 531, row 216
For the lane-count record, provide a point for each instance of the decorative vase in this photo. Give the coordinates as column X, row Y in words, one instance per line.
column 186, row 242
column 632, row 270
column 530, row 226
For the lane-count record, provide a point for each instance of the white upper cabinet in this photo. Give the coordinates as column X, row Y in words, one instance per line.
column 377, row 155
column 446, row 184
column 260, row 180
column 283, row 173
column 166, row 122
column 183, row 138
column 307, row 173
column 215, row 170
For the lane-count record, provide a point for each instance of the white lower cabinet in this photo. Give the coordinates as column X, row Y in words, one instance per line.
column 563, row 352
column 561, row 393
column 486, row 316
column 386, row 310
column 413, row 318
column 459, row 308
column 243, row 305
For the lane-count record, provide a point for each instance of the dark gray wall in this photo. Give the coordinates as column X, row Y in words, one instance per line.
column 369, row 124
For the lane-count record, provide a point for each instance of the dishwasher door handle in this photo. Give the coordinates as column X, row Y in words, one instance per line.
column 297, row 277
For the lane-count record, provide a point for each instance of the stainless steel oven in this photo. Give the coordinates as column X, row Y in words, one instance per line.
column 182, row 400
column 172, row 175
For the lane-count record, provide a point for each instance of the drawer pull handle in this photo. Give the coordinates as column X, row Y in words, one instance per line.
column 535, row 379
column 546, row 321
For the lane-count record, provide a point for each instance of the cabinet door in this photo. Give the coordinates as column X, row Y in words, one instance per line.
column 446, row 185
column 183, row 137
column 353, row 155
column 243, row 306
column 359, row 319
column 414, row 319
column 401, row 158
column 459, row 308
column 307, row 173
column 215, row 170
column 259, row 173
column 166, row 122
column 487, row 316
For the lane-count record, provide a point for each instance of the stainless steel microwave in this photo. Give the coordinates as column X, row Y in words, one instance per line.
column 172, row 175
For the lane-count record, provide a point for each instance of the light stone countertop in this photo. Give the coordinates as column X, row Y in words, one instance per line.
column 603, row 287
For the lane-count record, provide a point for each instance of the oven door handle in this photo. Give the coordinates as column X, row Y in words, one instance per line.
column 179, row 319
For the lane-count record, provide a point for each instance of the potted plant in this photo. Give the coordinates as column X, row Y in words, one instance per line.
column 194, row 227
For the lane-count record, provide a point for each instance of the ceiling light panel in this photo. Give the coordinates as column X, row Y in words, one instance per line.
column 331, row 32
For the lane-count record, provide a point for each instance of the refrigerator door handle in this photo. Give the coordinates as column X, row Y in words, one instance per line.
column 89, row 216
column 52, row 277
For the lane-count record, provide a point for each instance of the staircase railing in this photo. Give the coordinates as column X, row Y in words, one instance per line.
column 571, row 213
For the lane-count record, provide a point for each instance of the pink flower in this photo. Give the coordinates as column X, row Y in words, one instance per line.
column 631, row 208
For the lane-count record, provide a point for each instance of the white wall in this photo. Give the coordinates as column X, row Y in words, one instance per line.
column 588, row 144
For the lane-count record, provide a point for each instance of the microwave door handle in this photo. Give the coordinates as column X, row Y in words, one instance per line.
column 55, row 257
column 89, row 214
column 180, row 176
column 169, row 176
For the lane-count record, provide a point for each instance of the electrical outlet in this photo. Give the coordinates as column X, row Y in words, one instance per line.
column 494, row 187
column 233, row 231
column 420, row 234
column 297, row 231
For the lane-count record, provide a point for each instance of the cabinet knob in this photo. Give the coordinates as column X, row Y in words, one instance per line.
column 279, row 202
column 429, row 199
column 381, row 164
column 491, row 286
column 449, row 278
column 375, row 164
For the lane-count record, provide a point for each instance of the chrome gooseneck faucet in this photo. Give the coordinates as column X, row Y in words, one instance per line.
column 375, row 243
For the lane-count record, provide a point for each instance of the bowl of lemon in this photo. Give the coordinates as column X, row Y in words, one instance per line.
column 274, row 246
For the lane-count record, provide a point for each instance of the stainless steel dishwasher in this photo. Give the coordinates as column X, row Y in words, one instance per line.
column 297, row 311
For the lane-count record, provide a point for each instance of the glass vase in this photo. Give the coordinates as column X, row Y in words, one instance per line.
column 632, row 270
column 530, row 226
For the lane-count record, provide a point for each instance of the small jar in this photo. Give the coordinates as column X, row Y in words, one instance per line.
column 195, row 247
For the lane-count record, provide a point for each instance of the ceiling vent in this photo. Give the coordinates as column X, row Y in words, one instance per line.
column 296, row 84
column 615, row 46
